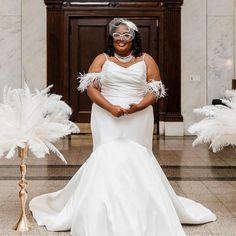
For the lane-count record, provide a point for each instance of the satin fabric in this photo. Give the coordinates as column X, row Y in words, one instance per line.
column 121, row 189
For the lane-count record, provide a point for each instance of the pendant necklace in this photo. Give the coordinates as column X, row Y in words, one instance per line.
column 124, row 59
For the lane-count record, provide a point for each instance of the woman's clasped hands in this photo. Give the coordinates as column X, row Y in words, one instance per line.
column 118, row 111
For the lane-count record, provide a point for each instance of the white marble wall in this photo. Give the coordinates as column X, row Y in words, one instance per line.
column 22, row 43
column 208, row 50
column 34, row 43
column 10, row 43
column 220, row 47
column 234, row 39
column 194, row 56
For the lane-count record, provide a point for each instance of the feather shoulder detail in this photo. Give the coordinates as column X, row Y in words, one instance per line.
column 92, row 78
column 157, row 87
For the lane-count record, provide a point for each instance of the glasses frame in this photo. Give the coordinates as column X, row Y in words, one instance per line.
column 121, row 36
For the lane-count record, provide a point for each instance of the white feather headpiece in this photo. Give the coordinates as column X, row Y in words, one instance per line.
column 118, row 21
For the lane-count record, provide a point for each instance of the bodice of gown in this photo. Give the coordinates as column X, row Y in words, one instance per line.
column 123, row 82
column 122, row 86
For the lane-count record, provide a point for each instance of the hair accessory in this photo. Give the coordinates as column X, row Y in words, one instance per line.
column 119, row 21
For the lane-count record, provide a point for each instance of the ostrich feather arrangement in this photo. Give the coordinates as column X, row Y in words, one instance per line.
column 33, row 119
column 219, row 125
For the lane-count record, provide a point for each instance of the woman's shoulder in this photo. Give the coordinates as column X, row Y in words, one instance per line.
column 147, row 56
column 102, row 57
column 148, row 59
column 97, row 63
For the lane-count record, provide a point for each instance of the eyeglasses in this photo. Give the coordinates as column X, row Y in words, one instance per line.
column 125, row 36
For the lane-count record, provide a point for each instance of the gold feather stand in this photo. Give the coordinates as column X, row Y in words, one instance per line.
column 23, row 224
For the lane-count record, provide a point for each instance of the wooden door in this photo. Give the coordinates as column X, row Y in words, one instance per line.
column 87, row 39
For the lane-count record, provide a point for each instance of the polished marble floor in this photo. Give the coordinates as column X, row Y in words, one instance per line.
column 196, row 173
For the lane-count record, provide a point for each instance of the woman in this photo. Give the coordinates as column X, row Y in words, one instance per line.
column 121, row 189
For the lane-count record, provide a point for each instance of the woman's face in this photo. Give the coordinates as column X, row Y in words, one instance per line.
column 122, row 43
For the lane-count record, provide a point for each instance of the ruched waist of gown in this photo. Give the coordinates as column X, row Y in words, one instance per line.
column 122, row 101
column 122, row 92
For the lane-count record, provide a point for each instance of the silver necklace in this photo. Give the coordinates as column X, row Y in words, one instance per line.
column 124, row 59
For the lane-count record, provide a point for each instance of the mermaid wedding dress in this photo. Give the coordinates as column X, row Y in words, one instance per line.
column 120, row 190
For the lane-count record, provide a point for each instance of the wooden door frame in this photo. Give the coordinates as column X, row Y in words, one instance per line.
column 59, row 13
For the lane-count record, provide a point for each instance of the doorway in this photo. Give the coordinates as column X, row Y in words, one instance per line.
column 87, row 39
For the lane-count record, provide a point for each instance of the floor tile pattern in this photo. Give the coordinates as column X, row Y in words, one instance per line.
column 197, row 173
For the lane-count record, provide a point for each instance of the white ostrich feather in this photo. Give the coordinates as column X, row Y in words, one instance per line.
column 230, row 95
column 220, row 142
column 219, row 125
column 33, row 119
column 89, row 79
column 157, row 87
column 209, row 110
column 55, row 150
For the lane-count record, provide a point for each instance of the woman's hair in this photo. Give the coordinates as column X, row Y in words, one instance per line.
column 136, row 46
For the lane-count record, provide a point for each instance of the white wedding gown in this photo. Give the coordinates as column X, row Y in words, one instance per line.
column 121, row 189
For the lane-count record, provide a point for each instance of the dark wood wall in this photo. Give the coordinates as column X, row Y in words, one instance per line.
column 168, row 14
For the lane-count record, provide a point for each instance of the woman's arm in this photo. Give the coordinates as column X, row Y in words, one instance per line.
column 153, row 74
column 94, row 92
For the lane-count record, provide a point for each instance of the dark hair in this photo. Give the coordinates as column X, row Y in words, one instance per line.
column 136, row 46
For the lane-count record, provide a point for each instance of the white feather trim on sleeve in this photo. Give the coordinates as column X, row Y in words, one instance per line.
column 89, row 79
column 157, row 87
